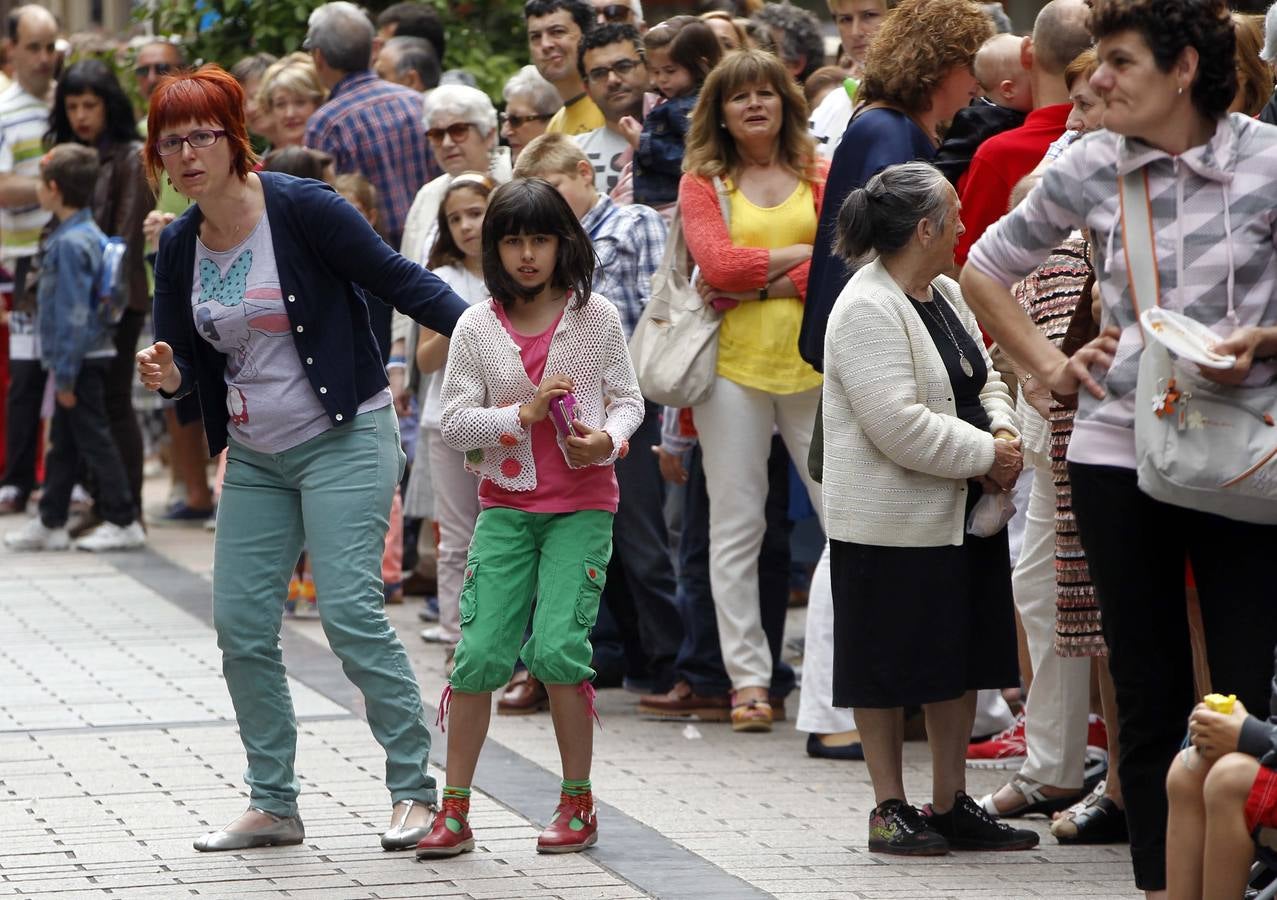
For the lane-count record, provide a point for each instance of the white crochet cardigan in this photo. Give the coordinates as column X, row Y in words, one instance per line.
column 897, row 457
column 485, row 383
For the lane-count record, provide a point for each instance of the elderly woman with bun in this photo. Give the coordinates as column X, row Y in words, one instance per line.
column 917, row 429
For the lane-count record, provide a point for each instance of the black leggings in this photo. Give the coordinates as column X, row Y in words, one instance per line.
column 1136, row 547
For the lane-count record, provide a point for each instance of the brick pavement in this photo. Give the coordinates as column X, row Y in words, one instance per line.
column 117, row 747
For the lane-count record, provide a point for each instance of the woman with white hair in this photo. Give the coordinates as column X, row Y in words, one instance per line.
column 461, row 124
column 530, row 104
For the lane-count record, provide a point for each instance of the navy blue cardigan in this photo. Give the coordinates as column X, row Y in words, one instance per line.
column 327, row 256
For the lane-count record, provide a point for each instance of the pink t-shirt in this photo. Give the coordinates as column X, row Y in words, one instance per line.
column 559, row 489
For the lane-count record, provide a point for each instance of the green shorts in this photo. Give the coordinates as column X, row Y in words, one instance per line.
column 560, row 559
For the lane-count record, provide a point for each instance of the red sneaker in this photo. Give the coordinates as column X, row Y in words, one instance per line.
column 573, row 827
column 1002, row 751
column 450, row 833
column 1097, row 733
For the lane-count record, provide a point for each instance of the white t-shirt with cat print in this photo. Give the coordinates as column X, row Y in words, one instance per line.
column 239, row 308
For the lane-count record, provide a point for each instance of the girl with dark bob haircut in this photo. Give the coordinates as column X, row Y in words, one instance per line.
column 1166, row 76
column 532, row 206
column 540, row 396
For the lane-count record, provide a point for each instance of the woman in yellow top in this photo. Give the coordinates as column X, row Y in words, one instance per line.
column 749, row 133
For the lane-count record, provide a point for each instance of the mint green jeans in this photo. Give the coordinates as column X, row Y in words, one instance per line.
column 333, row 494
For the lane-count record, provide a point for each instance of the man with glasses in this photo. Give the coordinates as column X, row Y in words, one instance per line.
column 32, row 34
column 611, row 62
column 155, row 59
column 555, row 29
column 368, row 125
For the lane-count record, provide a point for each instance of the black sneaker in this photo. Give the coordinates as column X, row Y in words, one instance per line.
column 968, row 827
column 896, row 827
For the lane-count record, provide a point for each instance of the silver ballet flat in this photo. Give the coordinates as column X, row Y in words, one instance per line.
column 400, row 837
column 280, row 832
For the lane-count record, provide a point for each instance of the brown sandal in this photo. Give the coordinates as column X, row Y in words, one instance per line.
column 752, row 715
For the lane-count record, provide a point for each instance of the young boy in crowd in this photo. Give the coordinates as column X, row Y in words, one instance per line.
column 77, row 348
column 1222, row 791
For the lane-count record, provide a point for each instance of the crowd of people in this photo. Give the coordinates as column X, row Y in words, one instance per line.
column 389, row 333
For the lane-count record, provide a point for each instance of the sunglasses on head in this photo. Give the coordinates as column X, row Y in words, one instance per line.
column 157, row 68
column 616, row 12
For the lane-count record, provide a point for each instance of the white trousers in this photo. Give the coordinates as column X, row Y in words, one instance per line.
column 456, row 508
column 735, row 426
column 816, row 711
column 1059, row 699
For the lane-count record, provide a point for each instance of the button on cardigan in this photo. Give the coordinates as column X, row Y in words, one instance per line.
column 327, row 256
column 486, row 382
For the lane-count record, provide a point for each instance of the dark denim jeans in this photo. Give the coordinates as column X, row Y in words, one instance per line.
column 22, row 422
column 700, row 659
column 641, row 587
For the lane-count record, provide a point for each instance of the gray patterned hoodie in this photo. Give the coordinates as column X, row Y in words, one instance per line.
column 1214, row 211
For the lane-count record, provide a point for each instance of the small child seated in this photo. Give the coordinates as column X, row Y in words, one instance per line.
column 77, row 347
column 1002, row 76
column 1222, row 792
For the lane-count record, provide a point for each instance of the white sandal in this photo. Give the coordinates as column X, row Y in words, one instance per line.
column 1035, row 801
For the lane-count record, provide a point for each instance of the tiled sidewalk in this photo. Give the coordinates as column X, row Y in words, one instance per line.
column 117, row 747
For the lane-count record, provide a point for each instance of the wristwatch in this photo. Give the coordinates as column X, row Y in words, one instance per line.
column 762, row 293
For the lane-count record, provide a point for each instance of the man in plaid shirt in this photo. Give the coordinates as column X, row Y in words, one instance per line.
column 368, row 126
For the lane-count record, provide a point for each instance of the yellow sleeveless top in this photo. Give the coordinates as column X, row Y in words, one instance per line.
column 758, row 340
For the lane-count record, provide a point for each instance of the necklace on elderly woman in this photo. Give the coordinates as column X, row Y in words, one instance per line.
column 943, row 321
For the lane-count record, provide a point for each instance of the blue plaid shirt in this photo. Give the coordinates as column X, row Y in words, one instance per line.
column 376, row 128
column 629, row 242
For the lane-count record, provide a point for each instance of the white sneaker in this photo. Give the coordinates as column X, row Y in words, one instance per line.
column 9, row 497
column 34, row 536
column 109, row 536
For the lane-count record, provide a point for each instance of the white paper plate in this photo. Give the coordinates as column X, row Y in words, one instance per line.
column 1187, row 338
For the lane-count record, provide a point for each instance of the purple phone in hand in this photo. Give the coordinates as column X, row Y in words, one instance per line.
column 562, row 412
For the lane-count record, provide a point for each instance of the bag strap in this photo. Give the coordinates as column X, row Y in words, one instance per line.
column 1137, row 241
column 676, row 255
column 724, row 202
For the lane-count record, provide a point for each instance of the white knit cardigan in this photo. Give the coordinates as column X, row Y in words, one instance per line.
column 485, row 383
column 897, row 457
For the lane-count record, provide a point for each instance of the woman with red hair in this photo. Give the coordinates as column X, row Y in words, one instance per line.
column 259, row 303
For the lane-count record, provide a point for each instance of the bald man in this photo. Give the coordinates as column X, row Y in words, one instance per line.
column 32, row 33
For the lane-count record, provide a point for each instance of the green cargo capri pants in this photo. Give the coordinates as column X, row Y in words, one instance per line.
column 560, row 559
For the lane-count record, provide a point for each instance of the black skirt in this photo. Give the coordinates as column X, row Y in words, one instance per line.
column 916, row 625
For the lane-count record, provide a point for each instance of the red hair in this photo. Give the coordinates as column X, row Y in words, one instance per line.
column 209, row 94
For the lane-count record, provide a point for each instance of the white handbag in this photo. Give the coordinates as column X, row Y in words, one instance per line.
column 1198, row 444
column 675, row 344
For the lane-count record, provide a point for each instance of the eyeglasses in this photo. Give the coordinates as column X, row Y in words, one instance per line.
column 621, row 67
column 458, row 131
column 201, row 139
column 616, row 12
column 517, row 122
column 157, row 68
